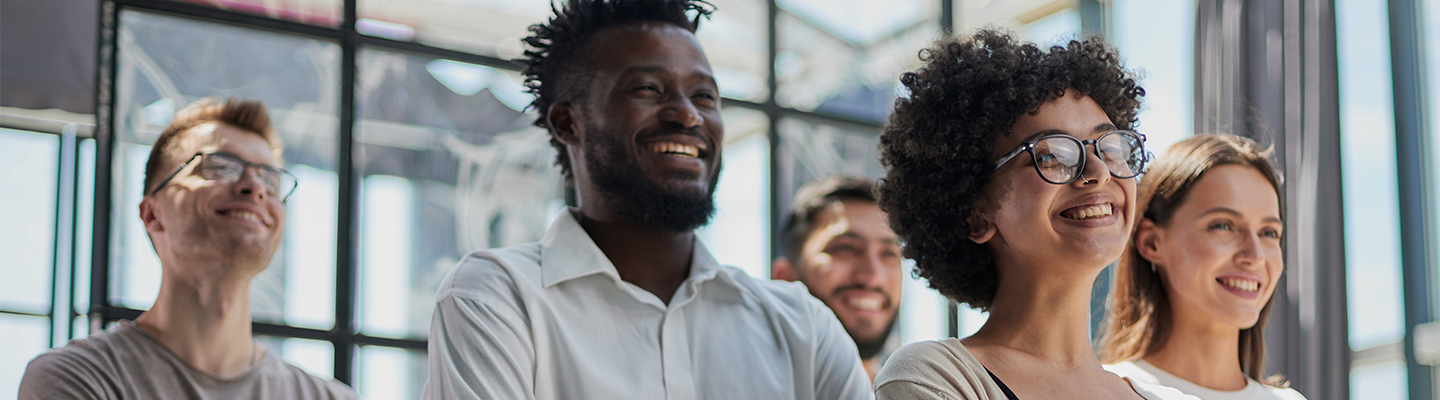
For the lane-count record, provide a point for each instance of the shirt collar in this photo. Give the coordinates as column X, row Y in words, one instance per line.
column 567, row 252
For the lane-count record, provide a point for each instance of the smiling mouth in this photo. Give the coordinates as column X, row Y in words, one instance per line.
column 865, row 303
column 1088, row 212
column 1241, row 284
column 674, row 149
column 242, row 214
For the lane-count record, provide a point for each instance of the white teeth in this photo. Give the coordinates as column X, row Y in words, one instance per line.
column 866, row 303
column 1095, row 211
column 1241, row 283
column 246, row 215
column 673, row 148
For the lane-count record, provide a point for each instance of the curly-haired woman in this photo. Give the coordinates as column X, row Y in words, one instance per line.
column 1011, row 182
column 1192, row 290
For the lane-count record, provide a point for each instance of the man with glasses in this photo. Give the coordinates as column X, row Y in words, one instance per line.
column 214, row 209
column 620, row 299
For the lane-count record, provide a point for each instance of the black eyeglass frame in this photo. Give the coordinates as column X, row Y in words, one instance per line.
column 1029, row 146
column 294, row 182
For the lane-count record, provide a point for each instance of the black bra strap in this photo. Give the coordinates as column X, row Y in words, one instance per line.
column 1008, row 394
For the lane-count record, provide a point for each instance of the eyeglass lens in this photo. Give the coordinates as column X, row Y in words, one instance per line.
column 228, row 169
column 1059, row 158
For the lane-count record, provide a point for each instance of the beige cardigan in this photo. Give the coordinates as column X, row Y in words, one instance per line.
column 946, row 370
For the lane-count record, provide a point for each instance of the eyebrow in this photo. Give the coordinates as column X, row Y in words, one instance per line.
column 1103, row 127
column 856, row 236
column 1236, row 214
column 656, row 69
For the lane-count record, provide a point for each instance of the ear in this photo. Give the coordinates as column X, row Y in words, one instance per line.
column 563, row 120
column 981, row 228
column 1148, row 239
column 149, row 215
column 783, row 270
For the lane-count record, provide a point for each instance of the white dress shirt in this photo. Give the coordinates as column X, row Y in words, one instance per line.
column 553, row 320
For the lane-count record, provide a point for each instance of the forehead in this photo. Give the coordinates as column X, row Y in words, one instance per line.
column 616, row 49
column 1072, row 113
column 222, row 137
column 1238, row 187
column 859, row 216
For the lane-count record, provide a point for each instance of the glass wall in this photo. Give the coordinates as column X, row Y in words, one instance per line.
column 1372, row 249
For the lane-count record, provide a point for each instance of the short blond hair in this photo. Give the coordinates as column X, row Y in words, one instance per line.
column 249, row 115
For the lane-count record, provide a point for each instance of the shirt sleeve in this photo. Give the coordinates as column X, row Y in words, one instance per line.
column 839, row 373
column 478, row 351
column 58, row 376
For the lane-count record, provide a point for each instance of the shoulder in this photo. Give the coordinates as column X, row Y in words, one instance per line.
column 1158, row 392
column 936, row 364
column 309, row 386
column 1129, row 369
column 487, row 274
column 934, row 369
column 786, row 296
column 83, row 365
column 1284, row 393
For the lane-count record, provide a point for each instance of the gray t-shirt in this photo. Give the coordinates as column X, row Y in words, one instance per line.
column 126, row 363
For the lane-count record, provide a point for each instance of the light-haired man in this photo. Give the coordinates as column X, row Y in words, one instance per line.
column 838, row 242
column 214, row 209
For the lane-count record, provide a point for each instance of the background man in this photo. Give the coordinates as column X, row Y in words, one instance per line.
column 214, row 210
column 620, row 300
column 839, row 243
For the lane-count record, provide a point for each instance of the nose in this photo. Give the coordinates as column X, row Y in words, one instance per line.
column 1248, row 253
column 250, row 185
column 679, row 110
column 868, row 268
column 1095, row 173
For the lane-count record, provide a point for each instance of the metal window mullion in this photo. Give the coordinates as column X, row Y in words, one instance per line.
column 107, row 57
column 346, row 260
column 60, row 299
column 1407, row 87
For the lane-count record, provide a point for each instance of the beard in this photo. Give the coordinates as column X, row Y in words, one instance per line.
column 626, row 186
column 869, row 348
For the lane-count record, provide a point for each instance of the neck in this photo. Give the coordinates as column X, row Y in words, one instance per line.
column 1204, row 354
column 655, row 260
column 1044, row 315
column 205, row 323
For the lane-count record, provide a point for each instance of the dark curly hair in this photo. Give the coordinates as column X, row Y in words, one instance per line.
column 556, row 63
column 936, row 146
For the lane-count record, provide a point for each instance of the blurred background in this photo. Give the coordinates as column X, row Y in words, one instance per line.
column 406, row 125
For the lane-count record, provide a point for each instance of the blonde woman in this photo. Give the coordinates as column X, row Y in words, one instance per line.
column 1193, row 289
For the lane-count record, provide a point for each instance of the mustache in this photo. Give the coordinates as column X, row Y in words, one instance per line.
column 861, row 287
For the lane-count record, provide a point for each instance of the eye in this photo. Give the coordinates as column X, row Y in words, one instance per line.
column 1270, row 233
column 841, row 249
column 1221, row 226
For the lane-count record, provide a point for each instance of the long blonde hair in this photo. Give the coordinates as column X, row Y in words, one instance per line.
column 1140, row 316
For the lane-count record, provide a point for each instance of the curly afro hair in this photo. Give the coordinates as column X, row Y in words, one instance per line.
column 936, row 146
column 556, row 63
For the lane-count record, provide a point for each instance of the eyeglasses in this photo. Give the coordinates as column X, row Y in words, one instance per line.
column 227, row 169
column 1060, row 159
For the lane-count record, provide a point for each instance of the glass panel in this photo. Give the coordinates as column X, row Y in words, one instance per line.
column 314, row 356
column 1380, row 381
column 84, row 224
column 922, row 309
column 734, row 37
column 742, row 208
column 391, row 373
column 1430, row 27
column 25, row 338
column 1054, row 29
column 1157, row 38
column 166, row 63
column 845, row 58
column 810, row 151
column 1372, row 253
column 28, row 169
column 80, row 328
column 317, row 12
column 449, row 165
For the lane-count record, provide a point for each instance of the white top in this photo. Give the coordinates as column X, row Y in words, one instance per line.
column 553, row 320
column 946, row 370
column 1142, row 371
